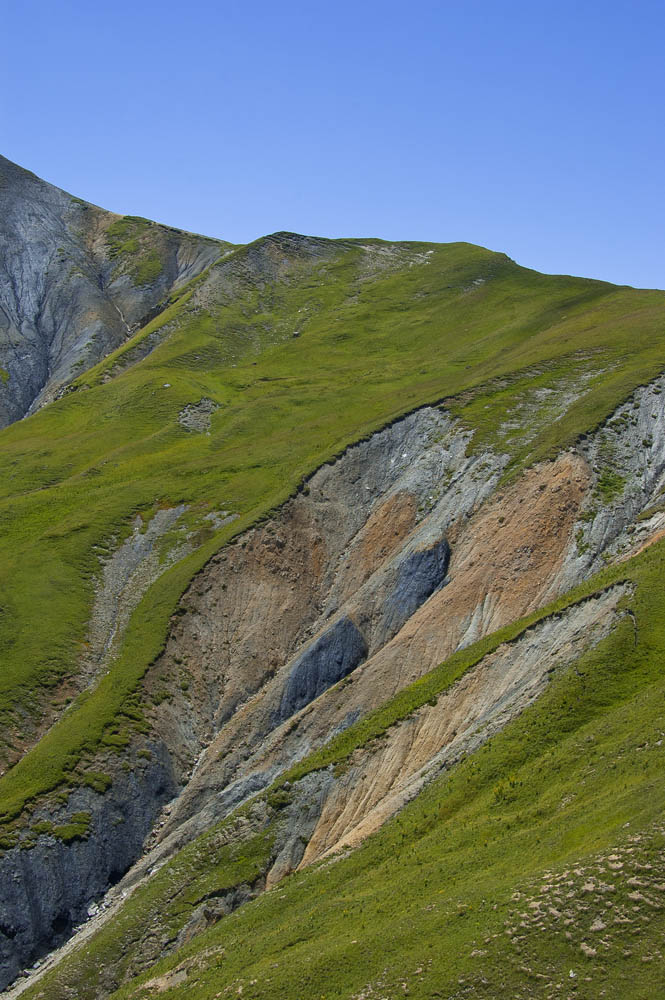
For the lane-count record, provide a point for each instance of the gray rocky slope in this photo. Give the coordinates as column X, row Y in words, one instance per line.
column 75, row 282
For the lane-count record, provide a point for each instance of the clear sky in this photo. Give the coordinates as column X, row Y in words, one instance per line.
column 536, row 128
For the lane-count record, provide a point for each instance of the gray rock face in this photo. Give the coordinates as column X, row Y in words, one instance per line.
column 299, row 822
column 330, row 658
column 67, row 295
column 47, row 889
column 626, row 457
column 418, row 576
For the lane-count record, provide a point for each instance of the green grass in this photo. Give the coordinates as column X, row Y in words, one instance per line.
column 579, row 772
column 77, row 828
column 128, row 242
column 369, row 349
column 122, row 235
column 610, row 485
column 148, row 268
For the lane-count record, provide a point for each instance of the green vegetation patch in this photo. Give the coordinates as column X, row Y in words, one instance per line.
column 76, row 828
column 97, row 780
column 610, row 485
column 148, row 268
column 129, row 243
column 122, row 235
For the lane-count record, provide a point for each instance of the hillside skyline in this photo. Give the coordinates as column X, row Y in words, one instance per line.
column 525, row 130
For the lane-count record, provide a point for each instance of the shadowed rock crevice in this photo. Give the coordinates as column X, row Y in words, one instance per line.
column 95, row 838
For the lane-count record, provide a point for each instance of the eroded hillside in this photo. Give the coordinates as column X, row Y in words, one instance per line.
column 400, row 554
column 321, row 579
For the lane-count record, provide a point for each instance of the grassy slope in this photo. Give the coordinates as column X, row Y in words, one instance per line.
column 369, row 349
column 558, row 785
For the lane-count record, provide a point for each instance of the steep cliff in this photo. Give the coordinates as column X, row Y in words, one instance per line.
column 75, row 283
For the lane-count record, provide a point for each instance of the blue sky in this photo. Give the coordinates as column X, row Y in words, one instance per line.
column 534, row 128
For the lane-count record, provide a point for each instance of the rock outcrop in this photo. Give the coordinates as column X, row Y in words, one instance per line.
column 329, row 658
column 79, row 849
column 75, row 283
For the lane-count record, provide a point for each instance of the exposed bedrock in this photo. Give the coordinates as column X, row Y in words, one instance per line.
column 418, row 576
column 505, row 556
column 263, row 600
column 329, row 658
column 365, row 543
column 48, row 888
column 65, row 300
column 626, row 458
column 500, row 555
